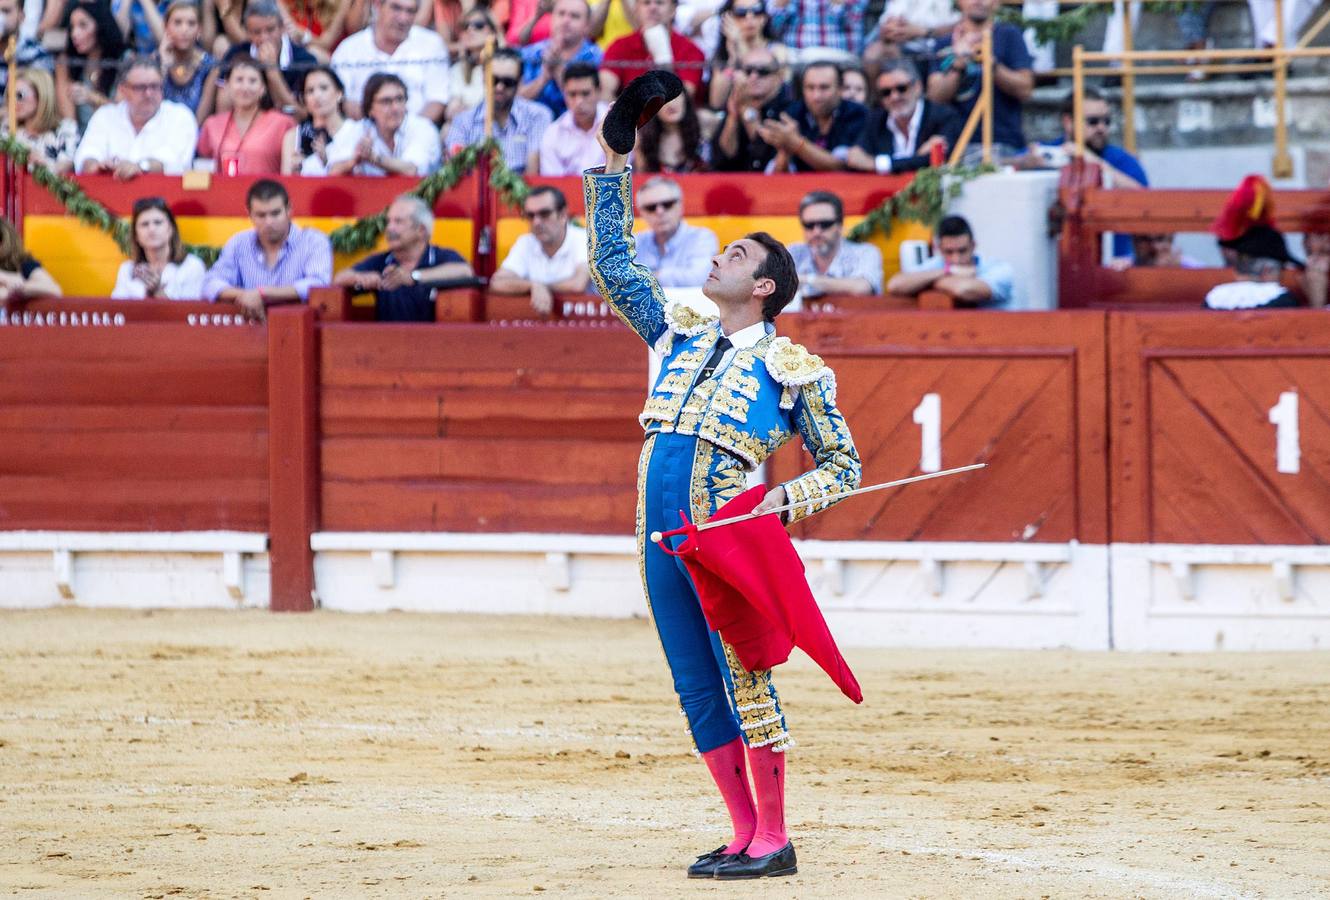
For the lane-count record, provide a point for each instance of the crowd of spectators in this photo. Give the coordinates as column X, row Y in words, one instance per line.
column 395, row 87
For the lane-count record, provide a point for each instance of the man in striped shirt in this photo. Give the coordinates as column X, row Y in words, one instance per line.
column 275, row 262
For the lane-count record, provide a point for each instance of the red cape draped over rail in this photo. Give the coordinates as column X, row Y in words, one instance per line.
column 753, row 591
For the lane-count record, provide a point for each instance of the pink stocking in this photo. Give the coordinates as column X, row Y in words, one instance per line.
column 727, row 767
column 769, row 783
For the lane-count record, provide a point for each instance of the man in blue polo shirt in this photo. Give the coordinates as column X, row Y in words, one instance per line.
column 400, row 277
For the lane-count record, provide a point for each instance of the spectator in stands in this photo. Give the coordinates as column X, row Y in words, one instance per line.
column 853, row 85
column 820, row 26
column 21, row 276
column 745, row 26
column 29, row 53
column 320, row 25
column 186, row 66
column 85, row 73
column 908, row 28
column 1155, row 251
column 902, row 130
column 274, row 262
column 655, row 45
column 284, row 61
column 518, row 124
column 678, row 253
column 543, row 62
column 411, row 259
column 246, row 139
column 672, row 141
column 1121, row 168
column 466, row 77
column 550, row 259
column 393, row 43
column 957, row 270
column 819, row 130
column 571, row 144
column 1316, row 277
column 1296, row 14
column 956, row 73
column 759, row 96
column 528, row 21
column 142, row 133
column 305, row 150
column 387, row 141
column 51, row 139
column 159, row 266
column 1261, row 255
column 826, row 262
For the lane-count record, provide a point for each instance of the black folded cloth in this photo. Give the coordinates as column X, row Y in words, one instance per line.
column 638, row 105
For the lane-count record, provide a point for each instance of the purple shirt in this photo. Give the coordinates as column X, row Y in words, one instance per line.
column 305, row 262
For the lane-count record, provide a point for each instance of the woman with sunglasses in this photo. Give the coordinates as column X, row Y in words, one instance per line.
column 466, row 77
column 51, row 139
column 743, row 25
column 159, row 268
column 246, row 139
column 305, row 147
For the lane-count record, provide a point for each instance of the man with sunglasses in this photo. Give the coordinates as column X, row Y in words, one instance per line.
column 759, row 95
column 902, row 130
column 677, row 253
column 827, row 263
column 1121, row 169
column 551, row 259
column 519, row 124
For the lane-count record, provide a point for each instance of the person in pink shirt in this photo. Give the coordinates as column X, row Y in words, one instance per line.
column 248, row 138
column 570, row 145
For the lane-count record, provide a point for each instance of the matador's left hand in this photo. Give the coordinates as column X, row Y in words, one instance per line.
column 775, row 498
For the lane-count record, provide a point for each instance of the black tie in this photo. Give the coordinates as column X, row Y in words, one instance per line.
column 717, row 353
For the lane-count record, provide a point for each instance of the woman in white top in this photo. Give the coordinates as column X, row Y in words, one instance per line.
column 160, row 268
column 305, row 149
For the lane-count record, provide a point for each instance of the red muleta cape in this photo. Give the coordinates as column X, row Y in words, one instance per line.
column 753, row 591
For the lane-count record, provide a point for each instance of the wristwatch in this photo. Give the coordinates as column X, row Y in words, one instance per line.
column 415, row 276
column 145, row 165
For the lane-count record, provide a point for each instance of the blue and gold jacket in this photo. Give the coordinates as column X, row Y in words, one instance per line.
column 769, row 391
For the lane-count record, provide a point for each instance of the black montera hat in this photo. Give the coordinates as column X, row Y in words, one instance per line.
column 1263, row 242
column 637, row 105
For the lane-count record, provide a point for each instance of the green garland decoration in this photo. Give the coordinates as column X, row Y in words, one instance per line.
column 66, row 190
column 923, row 200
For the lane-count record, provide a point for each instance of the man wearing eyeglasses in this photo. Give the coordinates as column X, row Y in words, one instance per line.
column 518, row 124
column 677, row 253
column 551, row 259
column 826, row 262
column 759, row 95
column 1121, row 169
column 903, row 129
column 142, row 133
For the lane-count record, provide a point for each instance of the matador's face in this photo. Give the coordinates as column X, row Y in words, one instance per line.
column 731, row 279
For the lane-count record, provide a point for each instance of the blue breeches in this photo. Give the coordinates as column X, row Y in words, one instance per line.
column 720, row 699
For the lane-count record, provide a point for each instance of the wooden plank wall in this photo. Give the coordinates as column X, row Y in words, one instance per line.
column 148, row 427
column 1194, row 452
column 480, row 428
column 1024, row 393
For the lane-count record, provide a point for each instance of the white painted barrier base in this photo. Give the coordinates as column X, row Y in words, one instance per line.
column 226, row 569
column 1217, row 597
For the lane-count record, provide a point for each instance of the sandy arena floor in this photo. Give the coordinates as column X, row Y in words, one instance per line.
column 225, row 754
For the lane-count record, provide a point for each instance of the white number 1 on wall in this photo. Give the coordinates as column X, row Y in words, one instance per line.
column 928, row 416
column 1284, row 416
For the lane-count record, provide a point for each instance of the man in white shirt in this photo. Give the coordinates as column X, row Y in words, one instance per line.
column 142, row 133
column 551, row 259
column 570, row 146
column 392, row 43
column 387, row 141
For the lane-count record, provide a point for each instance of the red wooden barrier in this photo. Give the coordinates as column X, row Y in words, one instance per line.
column 477, row 428
column 293, row 404
column 1200, row 405
column 1024, row 393
column 123, row 417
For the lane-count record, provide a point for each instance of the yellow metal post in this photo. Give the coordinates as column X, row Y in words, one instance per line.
column 1128, row 85
column 986, row 94
column 1282, row 164
column 486, row 57
column 1078, row 100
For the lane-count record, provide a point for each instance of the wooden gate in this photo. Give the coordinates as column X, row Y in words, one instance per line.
column 925, row 391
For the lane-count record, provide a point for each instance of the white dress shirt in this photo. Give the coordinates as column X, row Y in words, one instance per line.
column 182, row 281
column 421, row 61
column 168, row 137
column 417, row 141
column 527, row 259
column 907, row 142
column 742, row 340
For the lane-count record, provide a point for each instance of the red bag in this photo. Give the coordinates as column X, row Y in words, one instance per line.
column 753, row 591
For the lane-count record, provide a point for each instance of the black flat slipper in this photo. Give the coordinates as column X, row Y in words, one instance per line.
column 638, row 105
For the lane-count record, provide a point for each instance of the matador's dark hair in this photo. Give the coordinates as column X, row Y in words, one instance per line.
column 779, row 267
